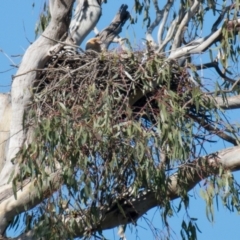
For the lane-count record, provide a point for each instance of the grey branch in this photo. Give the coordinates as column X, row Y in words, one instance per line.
column 232, row 102
column 221, row 17
column 202, row 44
column 155, row 23
column 162, row 25
column 85, row 18
column 214, row 130
column 111, row 32
column 178, row 37
column 218, row 70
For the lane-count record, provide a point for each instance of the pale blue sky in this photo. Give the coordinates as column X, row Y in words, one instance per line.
column 17, row 23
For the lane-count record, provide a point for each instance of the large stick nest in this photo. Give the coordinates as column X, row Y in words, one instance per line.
column 89, row 108
column 140, row 79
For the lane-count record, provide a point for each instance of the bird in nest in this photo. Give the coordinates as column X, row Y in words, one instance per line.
column 94, row 44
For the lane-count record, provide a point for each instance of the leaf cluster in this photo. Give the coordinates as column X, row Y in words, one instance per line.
column 111, row 122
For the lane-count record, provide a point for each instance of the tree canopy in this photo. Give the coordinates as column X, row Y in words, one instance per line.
column 94, row 138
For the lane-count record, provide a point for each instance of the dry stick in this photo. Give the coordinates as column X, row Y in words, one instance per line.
column 37, row 70
column 70, row 72
column 215, row 65
column 225, row 91
column 221, row 17
column 64, row 43
column 33, row 70
column 214, row 130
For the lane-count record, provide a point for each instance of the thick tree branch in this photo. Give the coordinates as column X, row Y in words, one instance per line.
column 85, row 18
column 218, row 70
column 27, row 197
column 107, row 35
column 162, row 25
column 232, row 102
column 178, row 37
column 214, row 130
column 135, row 207
column 221, row 17
column 171, row 31
column 202, row 44
column 161, row 15
column 202, row 168
column 34, row 58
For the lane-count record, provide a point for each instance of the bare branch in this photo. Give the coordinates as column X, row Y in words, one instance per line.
column 162, row 26
column 117, row 39
column 171, row 31
column 214, row 130
column 178, row 37
column 221, row 17
column 202, row 44
column 85, row 18
column 27, row 197
column 159, row 14
column 215, row 65
column 232, row 102
column 107, row 35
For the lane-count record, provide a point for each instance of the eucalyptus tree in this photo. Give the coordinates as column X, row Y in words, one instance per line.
column 95, row 139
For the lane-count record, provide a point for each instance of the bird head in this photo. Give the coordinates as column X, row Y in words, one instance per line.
column 94, row 44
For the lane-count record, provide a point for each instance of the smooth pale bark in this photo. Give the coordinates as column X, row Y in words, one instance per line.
column 202, row 44
column 228, row 159
column 5, row 117
column 34, row 58
column 85, row 18
column 231, row 103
